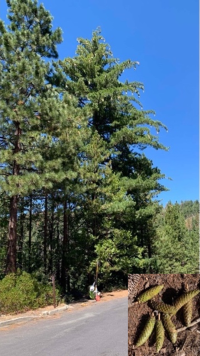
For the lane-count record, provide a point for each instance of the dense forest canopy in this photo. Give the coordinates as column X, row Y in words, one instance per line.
column 76, row 187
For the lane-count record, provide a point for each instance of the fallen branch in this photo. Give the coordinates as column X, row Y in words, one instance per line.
column 186, row 327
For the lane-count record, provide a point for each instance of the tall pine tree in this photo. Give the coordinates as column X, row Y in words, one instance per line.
column 29, row 105
column 117, row 117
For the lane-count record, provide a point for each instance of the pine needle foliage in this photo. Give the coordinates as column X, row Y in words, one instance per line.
column 119, row 128
column 31, row 109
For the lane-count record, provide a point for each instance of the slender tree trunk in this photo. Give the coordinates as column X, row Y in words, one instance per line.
column 45, row 232
column 64, row 272
column 11, row 262
column 58, row 260
column 94, row 232
column 51, row 237
column 21, row 242
column 94, row 219
column 30, row 233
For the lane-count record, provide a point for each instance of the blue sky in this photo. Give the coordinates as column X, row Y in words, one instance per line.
column 163, row 37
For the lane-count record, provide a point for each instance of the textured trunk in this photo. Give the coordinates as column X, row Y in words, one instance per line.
column 11, row 262
column 64, row 272
column 30, row 233
column 45, row 232
column 51, row 233
column 21, row 241
column 58, row 277
column 12, row 237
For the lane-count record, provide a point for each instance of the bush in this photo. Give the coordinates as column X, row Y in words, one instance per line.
column 21, row 292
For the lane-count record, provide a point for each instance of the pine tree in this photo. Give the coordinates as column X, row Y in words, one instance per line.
column 174, row 219
column 93, row 77
column 28, row 106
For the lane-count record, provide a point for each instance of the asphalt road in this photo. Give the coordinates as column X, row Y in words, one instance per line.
column 97, row 330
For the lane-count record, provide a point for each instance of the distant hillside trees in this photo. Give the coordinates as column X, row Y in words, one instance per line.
column 176, row 243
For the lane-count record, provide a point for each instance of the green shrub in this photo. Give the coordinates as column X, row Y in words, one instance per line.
column 21, row 292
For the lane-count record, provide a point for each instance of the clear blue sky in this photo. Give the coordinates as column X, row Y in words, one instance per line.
column 163, row 37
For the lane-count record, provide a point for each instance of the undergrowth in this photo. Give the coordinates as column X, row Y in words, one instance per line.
column 21, row 292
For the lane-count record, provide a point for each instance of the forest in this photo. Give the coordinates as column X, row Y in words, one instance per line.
column 77, row 192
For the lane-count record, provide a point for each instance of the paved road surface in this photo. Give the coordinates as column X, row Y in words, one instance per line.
column 98, row 330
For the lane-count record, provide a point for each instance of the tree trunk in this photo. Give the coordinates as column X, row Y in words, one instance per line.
column 58, row 259
column 11, row 262
column 64, row 272
column 51, row 236
column 21, row 240
column 45, row 232
column 30, row 233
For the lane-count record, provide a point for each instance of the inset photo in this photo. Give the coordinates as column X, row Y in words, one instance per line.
column 164, row 314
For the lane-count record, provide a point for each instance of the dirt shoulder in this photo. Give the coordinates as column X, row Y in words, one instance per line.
column 72, row 307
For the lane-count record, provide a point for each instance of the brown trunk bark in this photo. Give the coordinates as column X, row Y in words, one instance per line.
column 45, row 233
column 64, row 276
column 30, row 233
column 51, row 233
column 58, row 276
column 21, row 242
column 94, row 230
column 11, row 262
